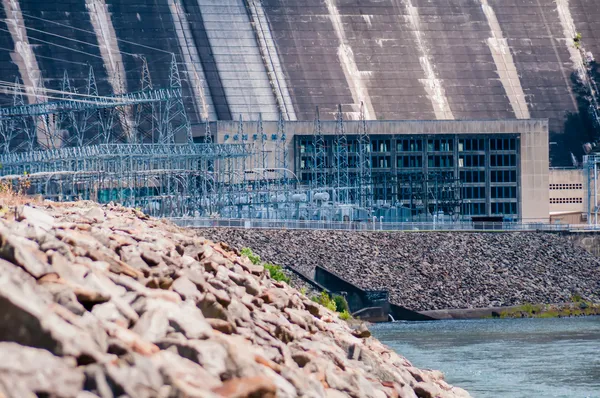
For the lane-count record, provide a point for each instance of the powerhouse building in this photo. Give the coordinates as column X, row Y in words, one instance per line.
column 462, row 169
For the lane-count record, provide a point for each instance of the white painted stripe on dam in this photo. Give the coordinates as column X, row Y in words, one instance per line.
column 433, row 85
column 569, row 30
column 505, row 64
column 202, row 102
column 354, row 77
column 111, row 55
column 23, row 56
column 271, row 57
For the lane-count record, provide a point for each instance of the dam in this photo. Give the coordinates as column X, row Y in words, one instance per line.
column 404, row 59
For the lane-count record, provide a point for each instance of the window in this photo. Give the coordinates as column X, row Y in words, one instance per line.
column 503, row 192
column 380, row 145
column 409, row 145
column 306, row 146
column 440, row 145
column 381, row 162
column 503, row 176
column 566, row 186
column 471, row 161
column 440, row 161
column 409, row 161
column 555, row 201
column 471, row 144
column 477, row 192
column 470, row 208
column 503, row 160
column 504, row 208
column 472, row 176
column 503, row 144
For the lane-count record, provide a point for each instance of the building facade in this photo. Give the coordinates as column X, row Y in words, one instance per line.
column 461, row 168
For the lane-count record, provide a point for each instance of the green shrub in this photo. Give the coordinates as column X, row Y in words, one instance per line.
column 303, row 290
column 576, row 298
column 341, row 304
column 345, row 315
column 325, row 301
column 254, row 258
column 276, row 273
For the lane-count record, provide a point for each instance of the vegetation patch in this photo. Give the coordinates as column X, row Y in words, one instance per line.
column 578, row 307
column 275, row 271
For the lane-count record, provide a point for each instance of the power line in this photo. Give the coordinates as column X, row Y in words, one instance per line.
column 57, row 45
column 53, row 58
column 69, row 38
column 92, row 32
column 15, row 86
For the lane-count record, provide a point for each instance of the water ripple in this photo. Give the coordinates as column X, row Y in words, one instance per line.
column 505, row 357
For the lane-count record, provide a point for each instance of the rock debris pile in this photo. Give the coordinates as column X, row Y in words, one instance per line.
column 436, row 270
column 104, row 302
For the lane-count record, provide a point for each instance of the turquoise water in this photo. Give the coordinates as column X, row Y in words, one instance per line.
column 505, row 357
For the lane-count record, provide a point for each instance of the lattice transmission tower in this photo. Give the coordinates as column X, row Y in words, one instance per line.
column 341, row 179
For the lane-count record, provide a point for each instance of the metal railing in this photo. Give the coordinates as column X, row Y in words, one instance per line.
column 378, row 226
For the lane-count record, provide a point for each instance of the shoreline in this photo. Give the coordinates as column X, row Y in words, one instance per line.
column 526, row 310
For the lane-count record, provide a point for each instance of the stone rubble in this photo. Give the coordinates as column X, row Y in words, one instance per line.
column 436, row 270
column 106, row 302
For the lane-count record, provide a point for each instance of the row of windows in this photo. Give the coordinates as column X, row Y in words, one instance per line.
column 503, row 176
column 503, row 208
column 440, row 161
column 472, row 176
column 440, row 145
column 503, row 192
column 474, row 209
column 566, row 186
column 473, row 192
column 555, row 201
column 478, row 192
column 409, row 145
column 503, row 144
column 471, row 161
column 409, row 161
column 416, row 145
column 471, row 144
column 503, row 160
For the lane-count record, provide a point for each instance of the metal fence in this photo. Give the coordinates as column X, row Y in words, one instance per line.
column 378, row 226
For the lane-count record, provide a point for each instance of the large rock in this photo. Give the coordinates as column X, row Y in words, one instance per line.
column 26, row 371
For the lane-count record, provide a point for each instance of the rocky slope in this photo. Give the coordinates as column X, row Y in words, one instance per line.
column 428, row 271
column 106, row 302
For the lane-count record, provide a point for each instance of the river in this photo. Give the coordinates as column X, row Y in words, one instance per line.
column 505, row 358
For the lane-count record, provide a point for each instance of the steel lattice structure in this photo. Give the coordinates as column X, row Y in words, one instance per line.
column 134, row 148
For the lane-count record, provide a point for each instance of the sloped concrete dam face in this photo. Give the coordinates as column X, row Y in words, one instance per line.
column 404, row 59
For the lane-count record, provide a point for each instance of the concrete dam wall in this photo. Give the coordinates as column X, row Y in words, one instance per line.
column 405, row 59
